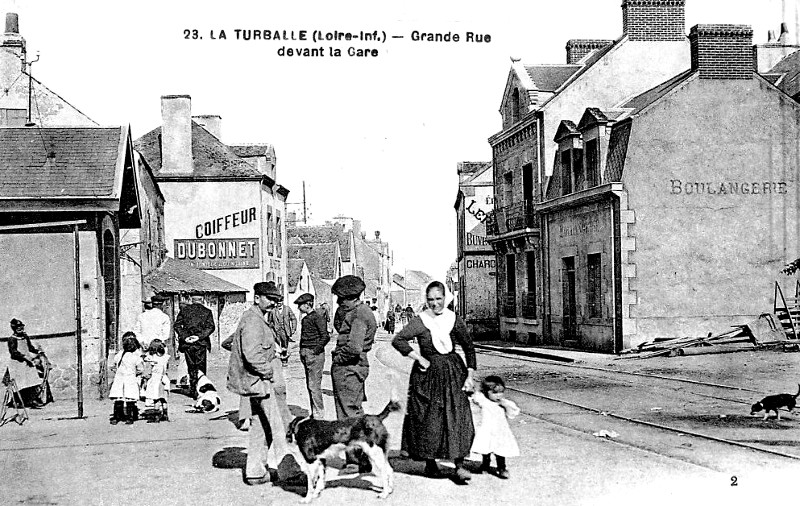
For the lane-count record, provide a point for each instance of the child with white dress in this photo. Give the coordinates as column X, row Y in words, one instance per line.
column 125, row 387
column 157, row 388
column 493, row 434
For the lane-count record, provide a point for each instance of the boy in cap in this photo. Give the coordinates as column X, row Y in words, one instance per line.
column 251, row 375
column 356, row 327
column 313, row 338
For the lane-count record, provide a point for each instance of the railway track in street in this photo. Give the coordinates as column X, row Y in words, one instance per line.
column 702, row 423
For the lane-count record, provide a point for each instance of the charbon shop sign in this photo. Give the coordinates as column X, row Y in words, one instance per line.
column 207, row 254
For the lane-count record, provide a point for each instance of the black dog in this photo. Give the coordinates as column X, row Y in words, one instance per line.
column 775, row 402
column 319, row 440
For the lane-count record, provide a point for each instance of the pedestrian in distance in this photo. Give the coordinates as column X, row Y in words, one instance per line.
column 356, row 327
column 194, row 326
column 493, row 435
column 128, row 367
column 284, row 323
column 313, row 338
column 438, row 421
column 157, row 388
column 250, row 375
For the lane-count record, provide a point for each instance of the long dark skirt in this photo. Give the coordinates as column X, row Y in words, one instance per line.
column 438, row 421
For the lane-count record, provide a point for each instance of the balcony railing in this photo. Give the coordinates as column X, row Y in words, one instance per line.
column 510, row 218
column 510, row 305
column 529, row 305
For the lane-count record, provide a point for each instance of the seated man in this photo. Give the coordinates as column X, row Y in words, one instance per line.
column 21, row 349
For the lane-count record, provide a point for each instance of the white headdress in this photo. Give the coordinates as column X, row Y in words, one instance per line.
column 440, row 325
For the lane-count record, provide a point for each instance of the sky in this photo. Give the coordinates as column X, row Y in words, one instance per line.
column 374, row 138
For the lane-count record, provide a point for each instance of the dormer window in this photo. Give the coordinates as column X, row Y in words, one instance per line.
column 515, row 111
column 570, row 157
column 592, row 150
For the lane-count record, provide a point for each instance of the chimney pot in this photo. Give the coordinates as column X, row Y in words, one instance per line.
column 12, row 23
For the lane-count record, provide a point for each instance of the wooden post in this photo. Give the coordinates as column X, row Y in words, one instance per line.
column 78, row 329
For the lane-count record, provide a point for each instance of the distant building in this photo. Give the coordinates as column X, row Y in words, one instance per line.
column 330, row 232
column 476, row 264
column 224, row 209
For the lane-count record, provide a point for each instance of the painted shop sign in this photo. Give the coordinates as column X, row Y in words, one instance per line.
column 579, row 225
column 232, row 220
column 480, row 263
column 239, row 253
column 475, row 240
column 678, row 187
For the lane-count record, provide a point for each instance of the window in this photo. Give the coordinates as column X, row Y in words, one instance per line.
column 13, row 117
column 278, row 235
column 592, row 165
column 270, row 243
column 508, row 189
column 511, row 273
column 527, row 182
column 515, row 116
column 594, row 293
column 566, row 173
column 577, row 169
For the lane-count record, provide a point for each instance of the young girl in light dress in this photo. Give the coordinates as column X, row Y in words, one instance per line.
column 157, row 388
column 128, row 367
column 493, row 435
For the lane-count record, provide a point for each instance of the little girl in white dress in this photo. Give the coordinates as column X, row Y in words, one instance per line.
column 493, row 435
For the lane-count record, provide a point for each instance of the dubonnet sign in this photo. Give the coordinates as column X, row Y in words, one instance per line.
column 239, row 253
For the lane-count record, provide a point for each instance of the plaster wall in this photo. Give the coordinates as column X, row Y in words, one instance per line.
column 712, row 176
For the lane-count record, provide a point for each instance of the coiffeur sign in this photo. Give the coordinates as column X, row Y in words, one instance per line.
column 239, row 253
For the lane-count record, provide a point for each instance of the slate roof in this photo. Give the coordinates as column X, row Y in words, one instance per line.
column 211, row 157
column 61, row 162
column 294, row 269
column 176, row 276
column 320, row 257
column 550, row 77
column 788, row 70
column 323, row 234
column 641, row 101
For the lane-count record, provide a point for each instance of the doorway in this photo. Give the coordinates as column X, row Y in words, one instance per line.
column 569, row 308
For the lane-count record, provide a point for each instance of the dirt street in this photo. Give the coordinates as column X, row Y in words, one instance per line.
column 197, row 459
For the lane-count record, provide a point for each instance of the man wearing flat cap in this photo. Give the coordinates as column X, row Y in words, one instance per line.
column 313, row 338
column 356, row 326
column 251, row 374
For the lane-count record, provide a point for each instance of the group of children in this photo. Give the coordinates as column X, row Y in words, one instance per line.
column 138, row 374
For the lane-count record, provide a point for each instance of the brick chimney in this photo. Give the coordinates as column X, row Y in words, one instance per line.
column 654, row 20
column 578, row 48
column 722, row 51
column 176, row 134
column 211, row 122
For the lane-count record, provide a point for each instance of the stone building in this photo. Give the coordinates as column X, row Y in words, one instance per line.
column 224, row 209
column 673, row 213
column 651, row 49
column 67, row 195
column 60, row 170
column 475, row 260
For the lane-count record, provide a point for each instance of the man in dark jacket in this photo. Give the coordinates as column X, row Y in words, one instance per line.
column 251, row 375
column 313, row 338
column 194, row 326
column 356, row 326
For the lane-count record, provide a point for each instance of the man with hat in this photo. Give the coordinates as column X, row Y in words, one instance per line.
column 194, row 325
column 313, row 338
column 356, row 327
column 21, row 349
column 251, row 374
column 153, row 323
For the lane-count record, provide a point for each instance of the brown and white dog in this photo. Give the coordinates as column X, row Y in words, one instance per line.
column 319, row 440
column 775, row 402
